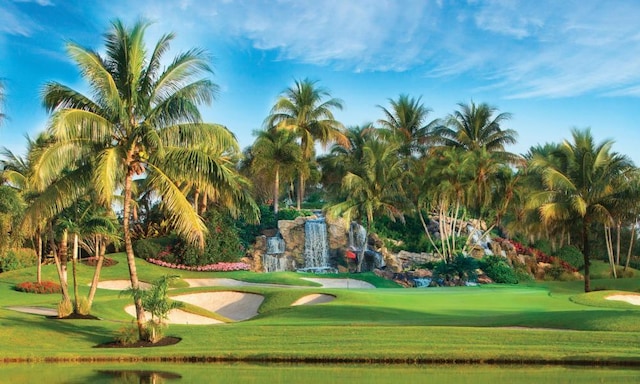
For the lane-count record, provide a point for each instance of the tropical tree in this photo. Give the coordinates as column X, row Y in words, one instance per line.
column 583, row 184
column 373, row 188
column 407, row 117
column 140, row 121
column 276, row 151
column 474, row 127
column 307, row 110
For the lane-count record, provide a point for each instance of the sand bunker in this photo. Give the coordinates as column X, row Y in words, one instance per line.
column 120, row 285
column 177, row 316
column 316, row 298
column 631, row 299
column 35, row 310
column 236, row 306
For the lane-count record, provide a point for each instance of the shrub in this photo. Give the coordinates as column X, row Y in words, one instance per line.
column 222, row 243
column 65, row 308
column 461, row 267
column 83, row 306
column 571, row 255
column 146, row 248
column 498, row 270
column 554, row 272
column 44, row 287
column 93, row 261
column 18, row 259
column 127, row 334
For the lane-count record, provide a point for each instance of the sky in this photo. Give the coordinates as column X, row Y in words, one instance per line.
column 554, row 65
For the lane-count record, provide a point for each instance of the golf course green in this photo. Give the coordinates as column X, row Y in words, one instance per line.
column 538, row 323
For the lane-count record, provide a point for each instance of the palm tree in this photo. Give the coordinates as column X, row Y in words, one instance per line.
column 474, row 127
column 582, row 184
column 276, row 151
column 374, row 186
column 305, row 110
column 140, row 121
column 407, row 118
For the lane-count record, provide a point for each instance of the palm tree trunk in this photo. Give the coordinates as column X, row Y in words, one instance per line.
column 56, row 257
column 276, row 192
column 618, row 229
column 39, row 252
column 74, row 266
column 100, row 251
column 631, row 242
column 300, row 191
column 133, row 273
column 609, row 244
column 196, row 201
column 64, row 250
column 586, row 250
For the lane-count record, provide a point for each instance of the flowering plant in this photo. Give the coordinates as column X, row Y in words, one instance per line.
column 217, row 267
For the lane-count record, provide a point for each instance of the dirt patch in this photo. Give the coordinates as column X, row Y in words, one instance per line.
column 316, row 298
column 169, row 340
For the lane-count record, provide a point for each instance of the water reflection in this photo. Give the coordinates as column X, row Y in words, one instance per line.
column 309, row 374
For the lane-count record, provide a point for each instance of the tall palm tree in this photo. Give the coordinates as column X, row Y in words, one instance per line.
column 474, row 127
column 407, row 117
column 307, row 110
column 276, row 151
column 142, row 120
column 582, row 184
column 374, row 186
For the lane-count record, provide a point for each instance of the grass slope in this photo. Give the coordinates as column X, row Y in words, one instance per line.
column 537, row 323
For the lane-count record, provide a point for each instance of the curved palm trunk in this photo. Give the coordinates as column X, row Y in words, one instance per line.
column 100, row 250
column 586, row 254
column 56, row 258
column 133, row 273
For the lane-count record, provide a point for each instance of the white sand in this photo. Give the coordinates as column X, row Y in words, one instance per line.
column 35, row 310
column 177, row 316
column 120, row 285
column 236, row 306
column 316, row 298
column 631, row 299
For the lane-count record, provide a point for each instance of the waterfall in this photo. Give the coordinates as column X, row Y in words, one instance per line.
column 316, row 245
column 357, row 237
column 275, row 245
column 358, row 244
column 273, row 261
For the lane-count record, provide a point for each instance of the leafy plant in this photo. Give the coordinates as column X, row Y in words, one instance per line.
column 127, row 334
column 17, row 259
column 155, row 300
column 461, row 268
column 65, row 308
column 498, row 270
column 571, row 255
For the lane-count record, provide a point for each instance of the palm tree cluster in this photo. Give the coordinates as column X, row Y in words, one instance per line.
column 137, row 141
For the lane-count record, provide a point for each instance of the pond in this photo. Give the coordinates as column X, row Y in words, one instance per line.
column 308, row 373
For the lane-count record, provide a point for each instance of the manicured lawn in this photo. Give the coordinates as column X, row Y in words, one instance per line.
column 539, row 322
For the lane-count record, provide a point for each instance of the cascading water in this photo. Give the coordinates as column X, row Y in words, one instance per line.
column 316, row 246
column 272, row 262
column 358, row 244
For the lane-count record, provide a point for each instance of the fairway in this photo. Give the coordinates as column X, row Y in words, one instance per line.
column 489, row 323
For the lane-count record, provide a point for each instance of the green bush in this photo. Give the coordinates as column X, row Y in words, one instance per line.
column 146, row 248
column 544, row 246
column 461, row 267
column 18, row 259
column 498, row 270
column 222, row 243
column 571, row 255
column 127, row 334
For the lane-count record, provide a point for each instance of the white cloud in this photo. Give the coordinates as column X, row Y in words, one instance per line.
column 524, row 48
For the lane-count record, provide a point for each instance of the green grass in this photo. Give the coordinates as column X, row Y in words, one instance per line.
column 537, row 322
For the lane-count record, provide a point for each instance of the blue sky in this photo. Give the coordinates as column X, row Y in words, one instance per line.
column 553, row 65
